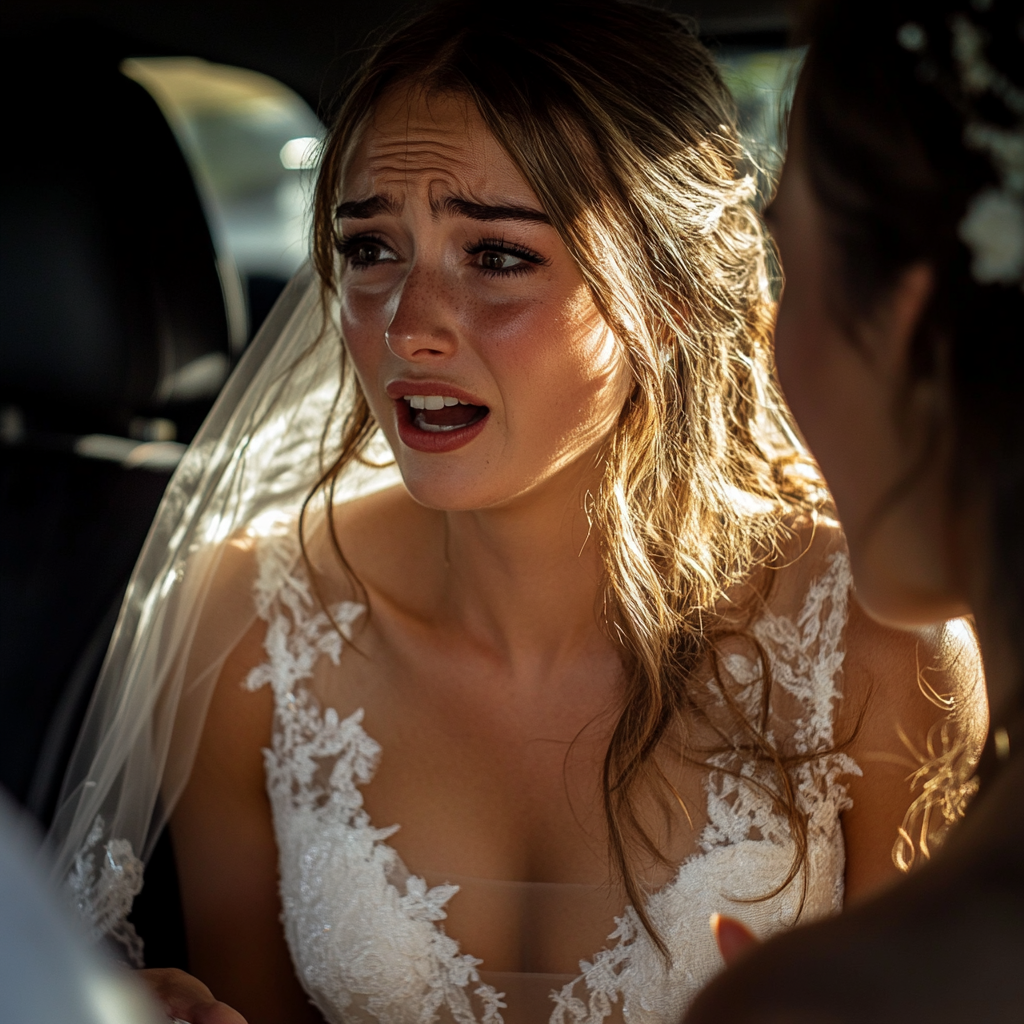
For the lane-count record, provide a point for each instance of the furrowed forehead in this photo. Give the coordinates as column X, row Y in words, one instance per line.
column 433, row 145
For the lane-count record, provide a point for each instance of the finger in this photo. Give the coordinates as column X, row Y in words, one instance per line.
column 185, row 998
column 207, row 1013
column 733, row 937
column 215, row 1013
column 203, row 1012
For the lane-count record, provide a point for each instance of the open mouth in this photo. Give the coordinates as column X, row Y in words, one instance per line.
column 439, row 414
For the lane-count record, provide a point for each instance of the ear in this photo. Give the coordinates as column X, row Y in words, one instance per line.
column 901, row 315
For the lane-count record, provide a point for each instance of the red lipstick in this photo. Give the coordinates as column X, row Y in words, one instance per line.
column 435, row 417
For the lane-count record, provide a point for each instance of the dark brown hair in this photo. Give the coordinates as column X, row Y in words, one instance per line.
column 884, row 117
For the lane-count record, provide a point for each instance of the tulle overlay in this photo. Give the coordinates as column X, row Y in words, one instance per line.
column 369, row 938
column 189, row 603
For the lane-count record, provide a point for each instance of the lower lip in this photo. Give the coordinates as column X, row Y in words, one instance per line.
column 428, row 440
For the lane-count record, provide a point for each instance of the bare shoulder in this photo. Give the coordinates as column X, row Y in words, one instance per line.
column 914, row 679
column 809, row 549
column 230, row 642
column 911, row 705
column 388, row 540
column 919, row 676
column 222, row 826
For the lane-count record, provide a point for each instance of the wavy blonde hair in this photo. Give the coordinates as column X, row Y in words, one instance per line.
column 617, row 118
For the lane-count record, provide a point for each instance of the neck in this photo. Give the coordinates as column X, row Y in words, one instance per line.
column 523, row 579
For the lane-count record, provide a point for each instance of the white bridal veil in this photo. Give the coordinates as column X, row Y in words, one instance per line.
column 256, row 458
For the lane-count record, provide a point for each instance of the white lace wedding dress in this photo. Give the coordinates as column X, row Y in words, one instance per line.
column 368, row 937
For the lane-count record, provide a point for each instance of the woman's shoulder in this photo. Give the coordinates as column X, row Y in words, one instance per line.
column 286, row 548
column 810, row 553
column 800, row 586
column 908, row 702
column 920, row 678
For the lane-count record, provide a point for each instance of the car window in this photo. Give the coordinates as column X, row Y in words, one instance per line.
column 762, row 81
column 252, row 143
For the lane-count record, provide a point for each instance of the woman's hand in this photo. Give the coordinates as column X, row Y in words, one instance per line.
column 187, row 998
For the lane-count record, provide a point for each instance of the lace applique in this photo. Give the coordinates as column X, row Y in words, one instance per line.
column 103, row 893
column 367, row 936
column 806, row 659
column 746, row 848
column 315, row 767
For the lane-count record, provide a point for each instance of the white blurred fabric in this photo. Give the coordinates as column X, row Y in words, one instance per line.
column 48, row 973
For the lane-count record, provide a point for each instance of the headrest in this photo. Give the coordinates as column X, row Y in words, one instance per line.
column 110, row 295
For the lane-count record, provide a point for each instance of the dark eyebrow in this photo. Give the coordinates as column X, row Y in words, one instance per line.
column 456, row 207
column 364, row 209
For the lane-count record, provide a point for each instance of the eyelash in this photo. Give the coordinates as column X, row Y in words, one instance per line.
column 348, row 245
column 530, row 258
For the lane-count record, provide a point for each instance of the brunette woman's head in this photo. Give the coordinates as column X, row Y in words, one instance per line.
column 623, row 133
column 900, row 343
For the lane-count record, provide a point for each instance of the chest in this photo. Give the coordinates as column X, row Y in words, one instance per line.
column 437, row 849
column 375, row 941
column 498, row 775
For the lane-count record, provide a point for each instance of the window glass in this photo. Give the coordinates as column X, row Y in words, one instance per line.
column 762, row 81
column 252, row 143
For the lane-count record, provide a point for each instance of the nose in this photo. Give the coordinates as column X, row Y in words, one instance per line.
column 422, row 326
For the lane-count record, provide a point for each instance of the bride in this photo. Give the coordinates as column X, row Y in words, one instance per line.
column 489, row 738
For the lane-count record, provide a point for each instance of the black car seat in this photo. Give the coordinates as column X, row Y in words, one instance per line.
column 115, row 340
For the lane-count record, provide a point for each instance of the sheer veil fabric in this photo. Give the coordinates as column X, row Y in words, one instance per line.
column 251, row 466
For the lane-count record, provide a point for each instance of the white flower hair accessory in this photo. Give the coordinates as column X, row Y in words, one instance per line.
column 993, row 226
column 993, row 229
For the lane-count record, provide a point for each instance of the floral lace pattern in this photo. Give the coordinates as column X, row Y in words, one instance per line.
column 103, row 892
column 367, row 937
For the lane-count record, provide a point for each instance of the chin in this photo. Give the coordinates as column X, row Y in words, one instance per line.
column 452, row 488
column 904, row 603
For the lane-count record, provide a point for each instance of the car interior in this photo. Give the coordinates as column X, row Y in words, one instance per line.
column 155, row 198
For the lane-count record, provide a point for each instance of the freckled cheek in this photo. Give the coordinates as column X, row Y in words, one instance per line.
column 552, row 372
column 363, row 326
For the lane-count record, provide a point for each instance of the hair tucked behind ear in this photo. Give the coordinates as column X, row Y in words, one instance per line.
column 618, row 120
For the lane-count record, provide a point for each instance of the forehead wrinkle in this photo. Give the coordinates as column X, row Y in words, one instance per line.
column 438, row 176
column 406, row 154
column 413, row 145
column 419, row 160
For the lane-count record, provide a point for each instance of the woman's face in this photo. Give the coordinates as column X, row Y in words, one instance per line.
column 478, row 346
column 848, row 398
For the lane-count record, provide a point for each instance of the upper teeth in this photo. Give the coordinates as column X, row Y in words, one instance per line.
column 432, row 401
